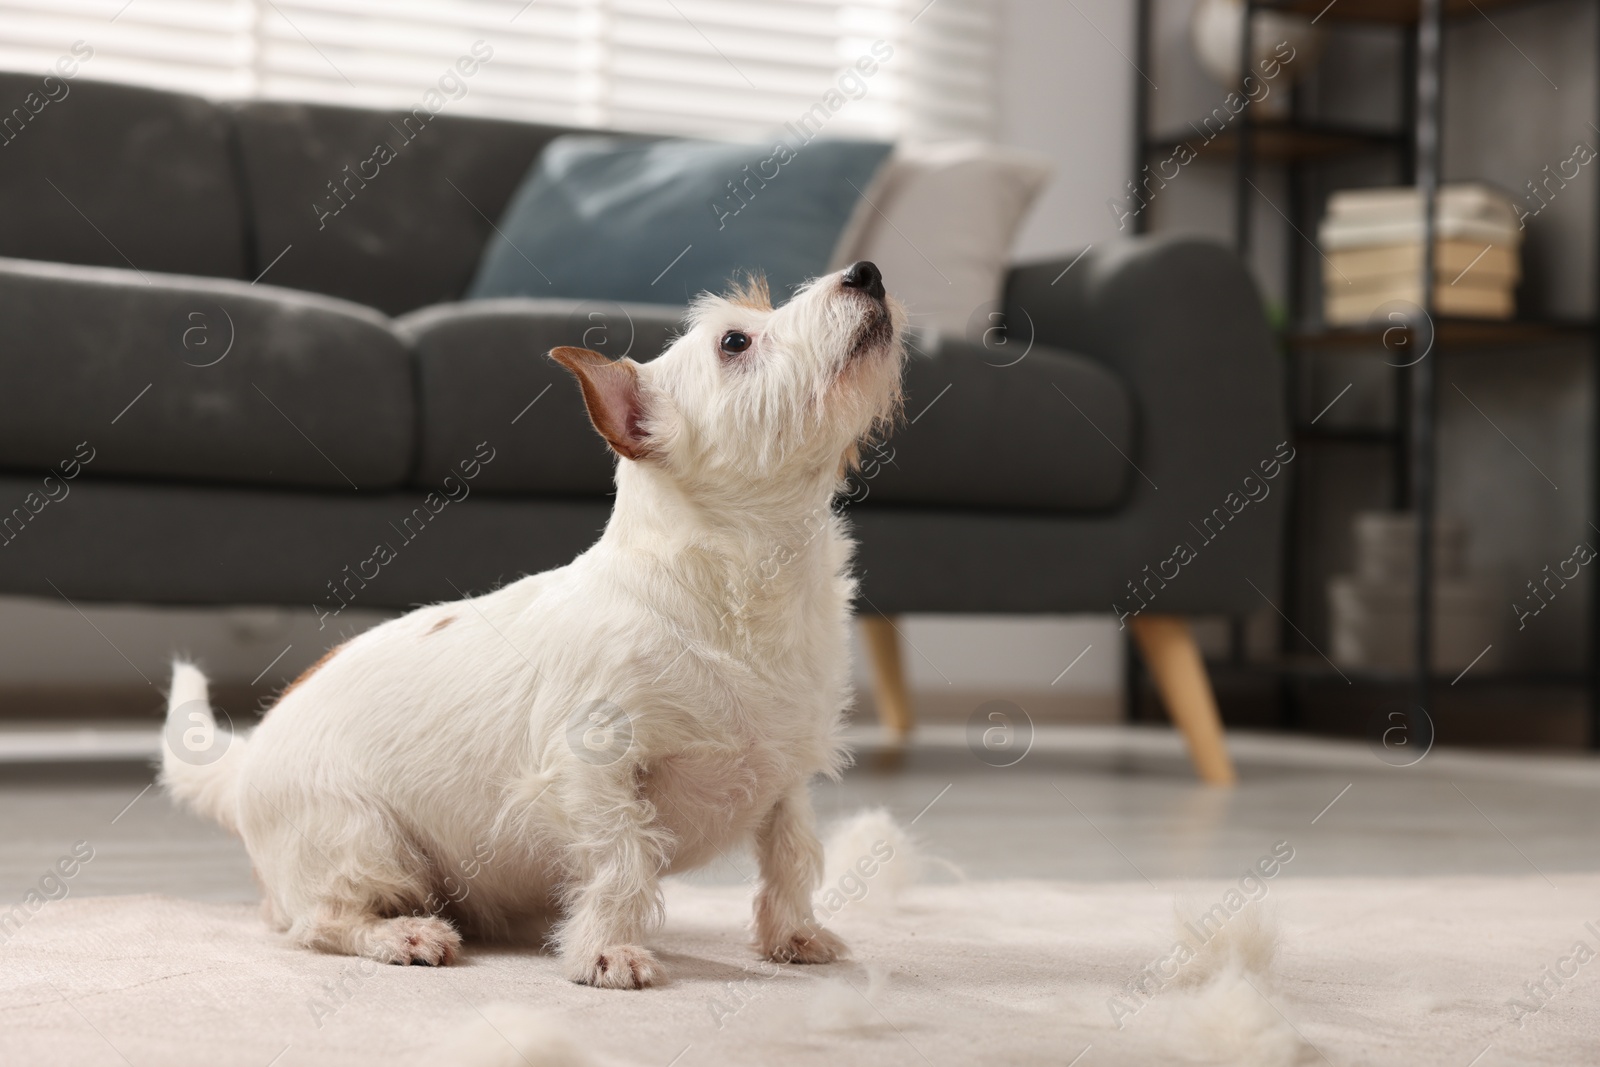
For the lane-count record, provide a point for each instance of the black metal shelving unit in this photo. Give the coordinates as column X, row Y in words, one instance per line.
column 1297, row 144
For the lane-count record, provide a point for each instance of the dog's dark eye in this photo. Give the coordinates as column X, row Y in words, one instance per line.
column 734, row 342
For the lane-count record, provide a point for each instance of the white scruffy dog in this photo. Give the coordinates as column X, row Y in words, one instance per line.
column 554, row 747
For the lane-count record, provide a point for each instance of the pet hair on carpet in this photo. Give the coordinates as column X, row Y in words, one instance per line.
column 841, row 1006
column 507, row 1035
column 1220, row 995
column 870, row 859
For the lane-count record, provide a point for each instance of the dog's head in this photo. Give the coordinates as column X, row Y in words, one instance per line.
column 754, row 397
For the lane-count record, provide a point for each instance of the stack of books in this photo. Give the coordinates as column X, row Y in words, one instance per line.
column 1373, row 612
column 1372, row 239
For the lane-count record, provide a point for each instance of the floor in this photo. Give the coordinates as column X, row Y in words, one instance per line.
column 1375, row 964
column 1084, row 804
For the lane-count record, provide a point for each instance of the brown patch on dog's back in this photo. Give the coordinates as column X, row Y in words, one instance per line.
column 307, row 673
column 441, row 624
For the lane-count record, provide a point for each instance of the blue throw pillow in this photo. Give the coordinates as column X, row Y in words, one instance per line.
column 615, row 218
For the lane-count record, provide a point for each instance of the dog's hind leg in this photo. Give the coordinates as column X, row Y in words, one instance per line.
column 790, row 856
column 373, row 918
column 356, row 888
column 403, row 939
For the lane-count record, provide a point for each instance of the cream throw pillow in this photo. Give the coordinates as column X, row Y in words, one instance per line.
column 939, row 222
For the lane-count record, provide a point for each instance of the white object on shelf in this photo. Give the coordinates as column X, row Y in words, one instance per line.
column 1455, row 200
column 1360, row 218
column 1214, row 31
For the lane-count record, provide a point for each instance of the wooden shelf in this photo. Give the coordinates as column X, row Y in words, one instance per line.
column 1386, row 436
column 1420, row 94
column 1313, row 668
column 1387, row 12
column 1450, row 333
column 1282, row 142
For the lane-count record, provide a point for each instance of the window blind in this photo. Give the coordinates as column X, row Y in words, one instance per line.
column 734, row 68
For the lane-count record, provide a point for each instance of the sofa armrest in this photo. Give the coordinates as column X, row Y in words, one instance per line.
column 1180, row 320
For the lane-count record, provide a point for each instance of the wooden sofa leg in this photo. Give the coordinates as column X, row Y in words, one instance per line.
column 1168, row 646
column 888, row 675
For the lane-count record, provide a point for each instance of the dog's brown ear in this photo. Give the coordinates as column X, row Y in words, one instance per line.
column 612, row 394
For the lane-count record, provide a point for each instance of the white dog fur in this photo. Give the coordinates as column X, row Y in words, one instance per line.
column 554, row 747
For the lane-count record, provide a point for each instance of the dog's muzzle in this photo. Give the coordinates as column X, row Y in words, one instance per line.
column 877, row 328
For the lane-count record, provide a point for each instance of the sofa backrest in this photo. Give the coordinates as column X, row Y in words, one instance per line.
column 112, row 175
column 387, row 208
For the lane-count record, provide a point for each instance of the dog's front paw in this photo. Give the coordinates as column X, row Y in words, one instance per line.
column 815, row 946
column 617, row 967
column 421, row 939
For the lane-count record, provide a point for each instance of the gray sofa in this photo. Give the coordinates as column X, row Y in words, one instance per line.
column 270, row 391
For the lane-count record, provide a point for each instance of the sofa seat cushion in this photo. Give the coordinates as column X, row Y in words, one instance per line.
column 484, row 376
column 1051, row 432
column 197, row 379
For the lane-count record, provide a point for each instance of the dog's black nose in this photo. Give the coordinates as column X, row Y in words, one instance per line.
column 866, row 276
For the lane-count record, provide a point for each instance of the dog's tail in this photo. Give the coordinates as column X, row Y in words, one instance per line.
column 200, row 764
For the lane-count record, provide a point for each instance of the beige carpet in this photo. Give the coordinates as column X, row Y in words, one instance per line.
column 1408, row 971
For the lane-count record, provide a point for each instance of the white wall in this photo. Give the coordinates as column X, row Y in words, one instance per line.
column 1066, row 93
column 980, row 657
